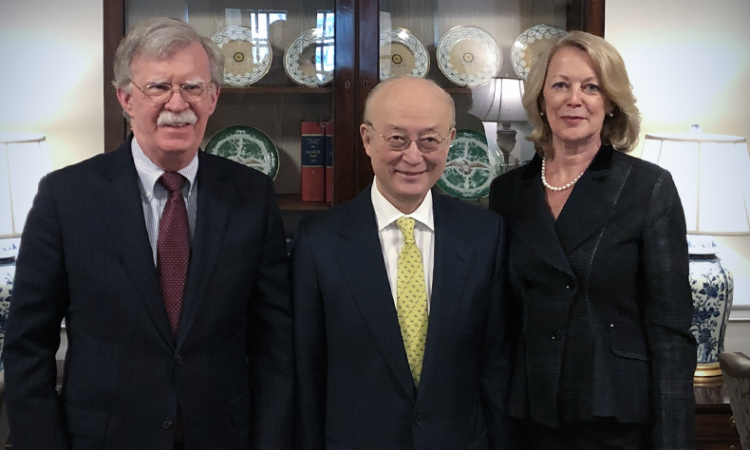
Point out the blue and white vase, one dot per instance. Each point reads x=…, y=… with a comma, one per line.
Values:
x=8, y=252
x=712, y=288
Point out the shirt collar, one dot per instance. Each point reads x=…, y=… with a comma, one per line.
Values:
x=149, y=172
x=386, y=213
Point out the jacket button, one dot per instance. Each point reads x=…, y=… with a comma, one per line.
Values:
x=168, y=423
x=178, y=359
x=418, y=419
x=571, y=285
x=557, y=335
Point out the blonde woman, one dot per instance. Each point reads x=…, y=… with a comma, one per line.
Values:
x=598, y=259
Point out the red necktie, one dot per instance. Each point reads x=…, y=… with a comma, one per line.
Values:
x=173, y=248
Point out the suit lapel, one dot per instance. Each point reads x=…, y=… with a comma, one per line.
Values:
x=532, y=221
x=451, y=265
x=210, y=223
x=360, y=258
x=119, y=201
x=592, y=202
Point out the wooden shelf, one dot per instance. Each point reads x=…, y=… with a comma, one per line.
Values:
x=275, y=90
x=293, y=202
x=458, y=90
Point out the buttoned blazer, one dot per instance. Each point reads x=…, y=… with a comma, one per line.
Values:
x=355, y=389
x=606, y=298
x=86, y=257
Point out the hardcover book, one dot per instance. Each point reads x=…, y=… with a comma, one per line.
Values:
x=312, y=173
x=329, y=161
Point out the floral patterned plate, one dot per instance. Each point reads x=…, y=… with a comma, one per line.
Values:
x=530, y=44
x=471, y=166
x=309, y=59
x=401, y=53
x=246, y=145
x=248, y=59
x=468, y=56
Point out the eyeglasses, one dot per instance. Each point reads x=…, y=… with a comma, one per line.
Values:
x=399, y=141
x=161, y=93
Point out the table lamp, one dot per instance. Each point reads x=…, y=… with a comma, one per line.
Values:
x=500, y=102
x=712, y=175
x=24, y=160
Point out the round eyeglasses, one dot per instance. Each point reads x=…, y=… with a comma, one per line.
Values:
x=161, y=93
x=399, y=141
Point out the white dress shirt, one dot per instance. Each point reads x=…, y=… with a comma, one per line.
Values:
x=154, y=196
x=391, y=238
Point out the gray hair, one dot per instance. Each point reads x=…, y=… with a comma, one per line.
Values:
x=161, y=38
x=378, y=87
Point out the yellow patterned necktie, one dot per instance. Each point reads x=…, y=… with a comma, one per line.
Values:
x=411, y=301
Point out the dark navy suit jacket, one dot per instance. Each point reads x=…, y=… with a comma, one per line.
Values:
x=606, y=297
x=86, y=257
x=355, y=387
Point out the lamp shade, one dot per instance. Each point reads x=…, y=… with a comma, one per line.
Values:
x=24, y=160
x=499, y=101
x=712, y=175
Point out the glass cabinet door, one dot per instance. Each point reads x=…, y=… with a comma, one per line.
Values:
x=276, y=102
x=336, y=60
x=479, y=51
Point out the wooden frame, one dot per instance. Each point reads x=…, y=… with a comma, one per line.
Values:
x=356, y=75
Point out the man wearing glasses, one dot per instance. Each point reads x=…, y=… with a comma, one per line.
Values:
x=400, y=327
x=169, y=267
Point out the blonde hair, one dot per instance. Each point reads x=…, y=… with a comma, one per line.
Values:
x=621, y=130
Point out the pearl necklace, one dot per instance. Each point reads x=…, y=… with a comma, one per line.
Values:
x=558, y=189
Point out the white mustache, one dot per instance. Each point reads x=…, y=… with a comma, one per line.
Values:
x=168, y=118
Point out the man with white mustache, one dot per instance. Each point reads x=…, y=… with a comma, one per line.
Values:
x=168, y=118
x=169, y=267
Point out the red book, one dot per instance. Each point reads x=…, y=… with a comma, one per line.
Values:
x=312, y=173
x=329, y=161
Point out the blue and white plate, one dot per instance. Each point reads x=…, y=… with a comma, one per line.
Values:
x=468, y=56
x=530, y=44
x=309, y=59
x=402, y=54
x=248, y=59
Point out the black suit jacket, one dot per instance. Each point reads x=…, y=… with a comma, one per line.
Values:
x=355, y=387
x=606, y=297
x=86, y=257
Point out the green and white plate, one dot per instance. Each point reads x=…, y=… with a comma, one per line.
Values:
x=246, y=145
x=471, y=166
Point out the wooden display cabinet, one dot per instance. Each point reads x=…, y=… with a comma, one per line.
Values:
x=276, y=104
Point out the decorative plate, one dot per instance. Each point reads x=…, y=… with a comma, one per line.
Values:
x=248, y=59
x=530, y=44
x=468, y=56
x=471, y=166
x=246, y=145
x=402, y=54
x=309, y=59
